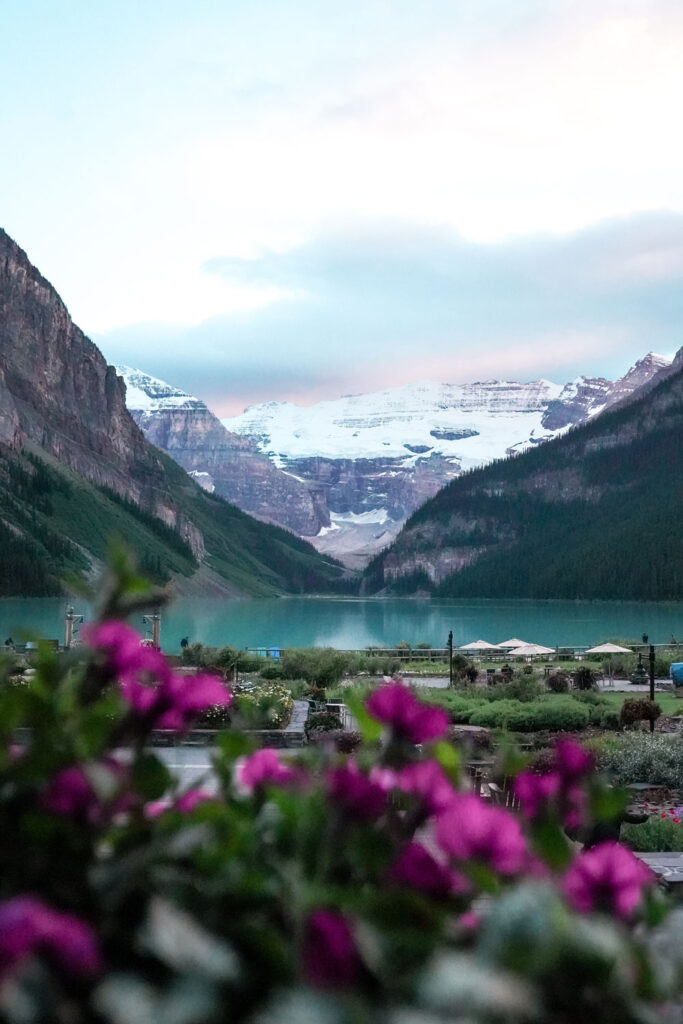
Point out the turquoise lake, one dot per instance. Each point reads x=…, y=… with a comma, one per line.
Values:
x=358, y=623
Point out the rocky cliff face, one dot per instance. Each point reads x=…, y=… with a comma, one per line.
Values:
x=587, y=396
x=222, y=461
x=58, y=390
x=62, y=406
x=58, y=393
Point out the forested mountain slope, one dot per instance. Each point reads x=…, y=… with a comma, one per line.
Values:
x=75, y=468
x=597, y=513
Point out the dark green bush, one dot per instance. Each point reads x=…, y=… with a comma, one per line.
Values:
x=248, y=662
x=321, y=665
x=524, y=688
x=639, y=710
x=584, y=678
x=556, y=715
x=323, y=721
x=657, y=835
x=558, y=682
x=271, y=670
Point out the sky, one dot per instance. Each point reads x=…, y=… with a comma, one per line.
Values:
x=266, y=200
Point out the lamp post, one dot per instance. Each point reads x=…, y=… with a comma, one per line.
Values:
x=154, y=621
x=450, y=657
x=71, y=624
x=652, y=681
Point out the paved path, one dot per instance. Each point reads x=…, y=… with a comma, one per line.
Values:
x=669, y=868
x=190, y=765
x=624, y=686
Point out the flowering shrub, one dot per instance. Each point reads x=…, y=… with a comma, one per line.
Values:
x=267, y=706
x=331, y=888
x=644, y=757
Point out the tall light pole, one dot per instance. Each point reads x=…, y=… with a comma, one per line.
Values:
x=71, y=624
x=450, y=657
x=154, y=621
x=652, y=681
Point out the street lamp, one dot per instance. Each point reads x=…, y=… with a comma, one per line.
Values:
x=449, y=645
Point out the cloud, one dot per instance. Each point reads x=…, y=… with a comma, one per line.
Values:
x=371, y=304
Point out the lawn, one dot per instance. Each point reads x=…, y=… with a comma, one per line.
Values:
x=669, y=704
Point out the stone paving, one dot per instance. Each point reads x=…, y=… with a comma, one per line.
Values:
x=669, y=868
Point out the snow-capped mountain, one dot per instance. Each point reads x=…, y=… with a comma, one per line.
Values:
x=379, y=456
x=221, y=461
x=471, y=424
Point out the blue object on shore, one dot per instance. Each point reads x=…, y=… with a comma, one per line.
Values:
x=677, y=673
x=274, y=653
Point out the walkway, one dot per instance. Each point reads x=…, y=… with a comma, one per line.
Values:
x=669, y=868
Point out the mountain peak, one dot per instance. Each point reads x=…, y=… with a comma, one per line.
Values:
x=145, y=393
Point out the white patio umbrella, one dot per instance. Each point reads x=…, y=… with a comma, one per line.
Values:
x=514, y=643
x=530, y=651
x=609, y=649
x=479, y=645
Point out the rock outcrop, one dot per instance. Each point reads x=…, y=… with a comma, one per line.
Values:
x=62, y=407
x=224, y=462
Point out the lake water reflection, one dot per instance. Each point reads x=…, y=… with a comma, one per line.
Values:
x=351, y=623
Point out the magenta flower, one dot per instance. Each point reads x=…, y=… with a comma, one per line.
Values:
x=469, y=922
x=329, y=955
x=71, y=794
x=472, y=830
x=355, y=793
x=147, y=683
x=185, y=803
x=535, y=792
x=191, y=799
x=417, y=868
x=608, y=878
x=395, y=706
x=186, y=697
x=426, y=780
x=27, y=926
x=262, y=768
x=121, y=644
x=572, y=761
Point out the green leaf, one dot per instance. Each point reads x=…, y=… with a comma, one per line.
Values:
x=608, y=804
x=551, y=844
x=151, y=778
x=370, y=728
x=449, y=759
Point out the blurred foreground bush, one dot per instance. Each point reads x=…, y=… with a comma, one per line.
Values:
x=334, y=888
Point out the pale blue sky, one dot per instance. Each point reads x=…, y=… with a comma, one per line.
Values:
x=268, y=200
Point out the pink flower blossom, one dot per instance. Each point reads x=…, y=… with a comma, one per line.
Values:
x=147, y=683
x=262, y=768
x=121, y=644
x=355, y=793
x=71, y=794
x=469, y=922
x=395, y=706
x=473, y=830
x=572, y=761
x=426, y=780
x=185, y=803
x=27, y=926
x=191, y=799
x=188, y=697
x=607, y=878
x=535, y=792
x=329, y=955
x=417, y=868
